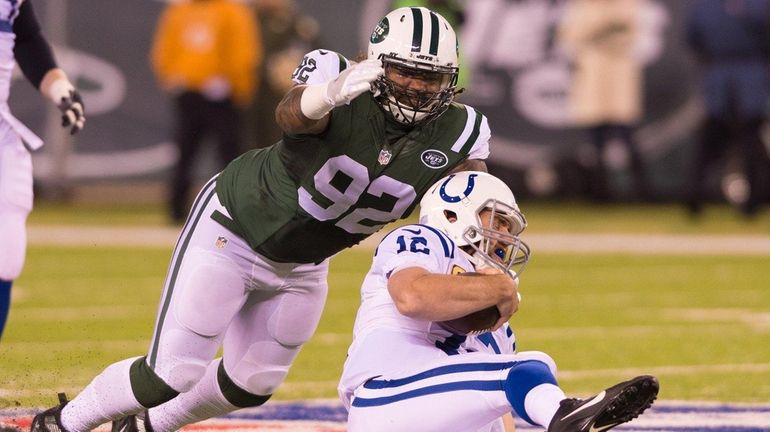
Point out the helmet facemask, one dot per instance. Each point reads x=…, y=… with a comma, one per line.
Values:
x=411, y=106
x=488, y=246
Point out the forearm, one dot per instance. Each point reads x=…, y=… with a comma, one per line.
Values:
x=291, y=118
x=440, y=297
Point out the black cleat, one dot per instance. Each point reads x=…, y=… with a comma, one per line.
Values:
x=616, y=405
x=50, y=419
x=139, y=422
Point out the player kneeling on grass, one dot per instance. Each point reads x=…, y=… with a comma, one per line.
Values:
x=433, y=351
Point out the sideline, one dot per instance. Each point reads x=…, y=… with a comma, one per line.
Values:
x=165, y=236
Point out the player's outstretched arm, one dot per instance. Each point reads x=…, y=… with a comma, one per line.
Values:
x=291, y=119
x=305, y=108
x=421, y=294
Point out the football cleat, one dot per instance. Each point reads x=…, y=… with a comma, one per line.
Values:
x=616, y=405
x=50, y=419
x=139, y=422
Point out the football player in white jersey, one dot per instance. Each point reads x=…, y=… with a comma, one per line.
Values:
x=22, y=43
x=407, y=370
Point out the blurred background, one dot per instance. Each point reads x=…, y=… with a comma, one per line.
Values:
x=517, y=69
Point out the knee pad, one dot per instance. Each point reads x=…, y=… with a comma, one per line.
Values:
x=262, y=368
x=183, y=357
x=210, y=291
x=523, y=377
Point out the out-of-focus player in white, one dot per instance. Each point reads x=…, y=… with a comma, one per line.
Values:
x=407, y=371
x=22, y=43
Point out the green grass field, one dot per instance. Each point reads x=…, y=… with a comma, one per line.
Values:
x=701, y=323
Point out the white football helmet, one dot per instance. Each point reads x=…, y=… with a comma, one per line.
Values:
x=419, y=43
x=454, y=205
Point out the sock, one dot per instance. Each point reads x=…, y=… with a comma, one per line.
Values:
x=108, y=397
x=5, y=302
x=214, y=395
x=542, y=402
x=204, y=401
x=522, y=378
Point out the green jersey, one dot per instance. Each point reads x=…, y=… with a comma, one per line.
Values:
x=309, y=196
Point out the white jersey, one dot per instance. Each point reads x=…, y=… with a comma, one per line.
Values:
x=381, y=333
x=405, y=374
x=9, y=10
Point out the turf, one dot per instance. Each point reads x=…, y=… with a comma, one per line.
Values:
x=701, y=323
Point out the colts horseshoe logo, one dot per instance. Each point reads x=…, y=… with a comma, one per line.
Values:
x=453, y=199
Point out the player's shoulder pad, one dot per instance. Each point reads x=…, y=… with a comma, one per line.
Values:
x=319, y=66
x=473, y=140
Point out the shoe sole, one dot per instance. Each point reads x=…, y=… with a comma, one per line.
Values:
x=630, y=403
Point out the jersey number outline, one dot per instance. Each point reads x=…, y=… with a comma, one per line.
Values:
x=301, y=72
x=342, y=201
x=416, y=245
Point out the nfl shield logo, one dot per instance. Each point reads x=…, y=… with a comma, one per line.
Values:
x=384, y=157
x=220, y=243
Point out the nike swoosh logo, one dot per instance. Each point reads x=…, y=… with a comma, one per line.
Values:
x=415, y=232
x=322, y=52
x=598, y=398
x=603, y=428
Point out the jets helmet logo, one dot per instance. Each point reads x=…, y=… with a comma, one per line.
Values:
x=381, y=31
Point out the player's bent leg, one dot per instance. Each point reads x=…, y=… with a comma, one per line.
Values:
x=113, y=394
x=259, y=347
x=207, y=293
x=214, y=395
x=267, y=335
x=463, y=392
x=532, y=391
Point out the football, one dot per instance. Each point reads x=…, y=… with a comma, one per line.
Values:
x=475, y=322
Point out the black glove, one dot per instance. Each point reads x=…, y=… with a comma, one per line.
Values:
x=73, y=115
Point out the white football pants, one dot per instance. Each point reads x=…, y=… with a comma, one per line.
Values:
x=15, y=202
x=219, y=292
x=458, y=393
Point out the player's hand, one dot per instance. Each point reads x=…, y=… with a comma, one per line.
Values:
x=509, y=301
x=353, y=81
x=73, y=114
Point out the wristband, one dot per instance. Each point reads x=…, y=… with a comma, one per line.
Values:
x=314, y=103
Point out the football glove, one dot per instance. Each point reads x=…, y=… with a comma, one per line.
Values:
x=317, y=100
x=353, y=81
x=70, y=103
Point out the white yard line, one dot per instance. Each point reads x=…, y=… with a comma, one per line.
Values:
x=163, y=236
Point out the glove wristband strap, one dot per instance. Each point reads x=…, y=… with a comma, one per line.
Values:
x=314, y=103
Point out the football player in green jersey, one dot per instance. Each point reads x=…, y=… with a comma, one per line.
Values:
x=362, y=143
